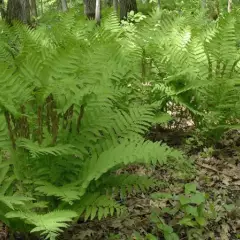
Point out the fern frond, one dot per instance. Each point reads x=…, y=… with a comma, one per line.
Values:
x=126, y=183
x=14, y=200
x=138, y=151
x=66, y=193
x=96, y=205
x=36, y=150
x=49, y=224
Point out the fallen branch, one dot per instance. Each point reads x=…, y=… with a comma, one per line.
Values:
x=214, y=169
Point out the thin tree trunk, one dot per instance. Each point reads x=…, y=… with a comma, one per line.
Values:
x=159, y=4
x=115, y=5
x=203, y=5
x=33, y=8
x=2, y=10
x=108, y=3
x=42, y=7
x=127, y=6
x=89, y=8
x=18, y=10
x=98, y=11
x=229, y=6
x=64, y=5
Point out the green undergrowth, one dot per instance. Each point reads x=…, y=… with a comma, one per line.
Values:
x=77, y=100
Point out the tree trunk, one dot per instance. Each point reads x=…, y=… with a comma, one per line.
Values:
x=89, y=8
x=159, y=4
x=41, y=1
x=18, y=10
x=229, y=6
x=115, y=5
x=213, y=9
x=64, y=5
x=98, y=11
x=108, y=3
x=203, y=5
x=2, y=10
x=127, y=6
x=33, y=8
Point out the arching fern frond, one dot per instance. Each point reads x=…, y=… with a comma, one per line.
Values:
x=96, y=205
x=49, y=224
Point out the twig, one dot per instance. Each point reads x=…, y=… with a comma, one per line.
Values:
x=213, y=169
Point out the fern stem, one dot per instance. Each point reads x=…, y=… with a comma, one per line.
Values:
x=49, y=112
x=143, y=65
x=223, y=69
x=24, y=126
x=10, y=130
x=209, y=67
x=55, y=123
x=80, y=116
x=67, y=118
x=233, y=67
x=39, y=131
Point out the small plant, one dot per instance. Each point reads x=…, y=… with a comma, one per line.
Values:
x=188, y=210
x=133, y=18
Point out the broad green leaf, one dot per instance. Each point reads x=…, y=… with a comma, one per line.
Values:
x=184, y=199
x=171, y=236
x=161, y=195
x=201, y=221
x=190, y=188
x=151, y=237
x=192, y=210
x=229, y=207
x=187, y=221
x=198, y=198
x=165, y=228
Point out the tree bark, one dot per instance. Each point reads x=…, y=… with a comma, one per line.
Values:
x=33, y=8
x=127, y=6
x=64, y=5
x=159, y=4
x=115, y=5
x=41, y=1
x=108, y=3
x=89, y=8
x=229, y=6
x=213, y=9
x=2, y=10
x=18, y=10
x=203, y=5
x=98, y=11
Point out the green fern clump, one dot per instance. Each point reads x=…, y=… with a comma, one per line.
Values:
x=193, y=64
x=70, y=125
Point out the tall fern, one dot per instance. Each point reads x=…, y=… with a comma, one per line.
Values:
x=70, y=125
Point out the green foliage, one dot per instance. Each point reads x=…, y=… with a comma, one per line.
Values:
x=70, y=124
x=188, y=208
x=193, y=66
x=77, y=100
x=49, y=224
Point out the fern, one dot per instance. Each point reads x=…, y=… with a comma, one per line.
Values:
x=71, y=122
x=191, y=63
x=96, y=205
x=67, y=193
x=125, y=183
x=49, y=224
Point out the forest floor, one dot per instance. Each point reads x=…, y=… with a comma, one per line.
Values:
x=216, y=172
